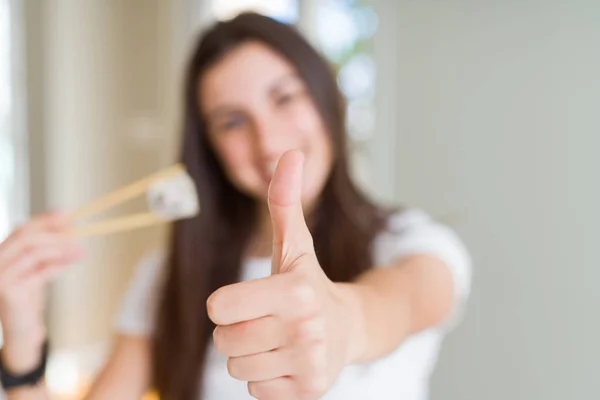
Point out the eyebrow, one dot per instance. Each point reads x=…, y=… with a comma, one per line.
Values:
x=223, y=110
x=281, y=81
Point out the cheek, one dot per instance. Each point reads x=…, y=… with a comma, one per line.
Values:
x=318, y=149
x=308, y=120
x=235, y=153
x=318, y=165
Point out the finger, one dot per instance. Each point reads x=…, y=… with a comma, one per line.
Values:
x=285, y=295
x=37, y=258
x=291, y=237
x=34, y=242
x=260, y=367
x=55, y=220
x=249, y=337
x=245, y=301
x=36, y=280
x=52, y=223
x=45, y=274
x=274, y=389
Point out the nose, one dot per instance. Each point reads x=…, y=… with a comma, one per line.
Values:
x=270, y=141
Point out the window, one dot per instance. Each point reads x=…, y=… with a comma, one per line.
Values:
x=283, y=10
x=13, y=171
x=7, y=156
x=343, y=30
x=13, y=162
x=6, y=143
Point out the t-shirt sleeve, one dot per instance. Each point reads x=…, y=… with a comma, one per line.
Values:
x=414, y=232
x=138, y=308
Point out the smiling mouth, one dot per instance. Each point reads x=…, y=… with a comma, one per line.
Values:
x=268, y=172
x=267, y=177
x=270, y=169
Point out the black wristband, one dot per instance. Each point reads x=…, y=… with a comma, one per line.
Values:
x=10, y=381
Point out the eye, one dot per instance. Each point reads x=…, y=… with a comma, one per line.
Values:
x=285, y=99
x=230, y=123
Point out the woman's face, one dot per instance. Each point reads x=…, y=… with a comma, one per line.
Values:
x=256, y=108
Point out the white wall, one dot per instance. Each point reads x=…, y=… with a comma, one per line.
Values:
x=488, y=117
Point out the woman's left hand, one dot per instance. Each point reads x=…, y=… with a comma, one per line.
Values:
x=291, y=334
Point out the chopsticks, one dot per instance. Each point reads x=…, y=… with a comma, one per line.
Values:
x=119, y=224
x=117, y=197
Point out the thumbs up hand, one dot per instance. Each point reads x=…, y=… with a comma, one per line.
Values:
x=289, y=335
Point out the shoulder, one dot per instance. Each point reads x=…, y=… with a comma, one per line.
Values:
x=138, y=308
x=148, y=273
x=413, y=231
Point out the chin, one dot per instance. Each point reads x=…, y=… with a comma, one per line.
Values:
x=260, y=194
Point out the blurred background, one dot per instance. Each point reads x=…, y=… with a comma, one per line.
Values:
x=483, y=113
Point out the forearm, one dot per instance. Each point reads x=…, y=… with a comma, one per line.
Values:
x=395, y=302
x=37, y=392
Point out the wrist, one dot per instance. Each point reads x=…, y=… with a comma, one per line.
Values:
x=353, y=295
x=21, y=354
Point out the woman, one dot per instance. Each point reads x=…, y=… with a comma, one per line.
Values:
x=252, y=299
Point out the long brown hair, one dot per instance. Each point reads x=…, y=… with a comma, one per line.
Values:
x=206, y=252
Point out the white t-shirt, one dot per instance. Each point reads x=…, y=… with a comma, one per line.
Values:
x=403, y=374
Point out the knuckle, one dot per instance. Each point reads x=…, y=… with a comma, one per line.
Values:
x=320, y=385
x=234, y=368
x=253, y=390
x=241, y=329
x=21, y=232
x=304, y=297
x=316, y=388
x=29, y=241
x=260, y=391
x=311, y=331
x=266, y=390
x=212, y=308
x=27, y=260
x=317, y=361
x=256, y=390
x=218, y=340
x=28, y=229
